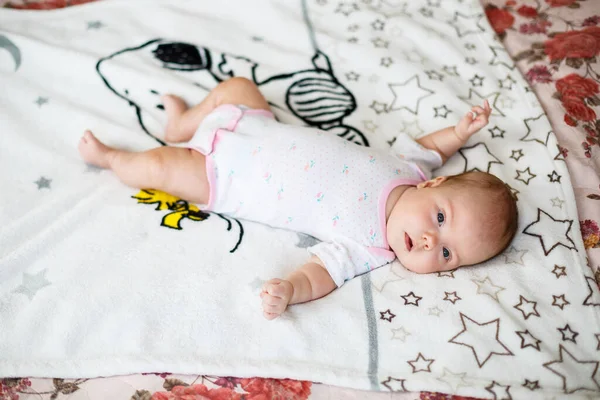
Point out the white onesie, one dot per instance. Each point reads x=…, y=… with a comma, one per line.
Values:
x=309, y=181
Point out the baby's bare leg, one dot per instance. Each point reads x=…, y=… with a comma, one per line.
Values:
x=183, y=121
x=175, y=170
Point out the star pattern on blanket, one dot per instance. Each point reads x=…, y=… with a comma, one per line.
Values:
x=466, y=24
x=400, y=334
x=527, y=307
x=497, y=132
x=559, y=271
x=394, y=385
x=514, y=256
x=559, y=301
x=554, y=177
x=486, y=286
x=441, y=111
x=551, y=232
x=482, y=338
x=478, y=158
x=556, y=202
x=411, y=299
x=435, y=311
x=507, y=83
x=501, y=57
x=589, y=300
x=421, y=364
x=387, y=315
x=584, y=376
x=528, y=340
x=525, y=175
x=454, y=380
x=413, y=129
x=32, y=283
x=531, y=385
x=499, y=391
x=43, y=183
x=516, y=154
x=40, y=101
x=403, y=101
x=451, y=297
x=568, y=334
x=538, y=130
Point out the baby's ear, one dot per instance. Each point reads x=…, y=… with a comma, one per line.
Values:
x=432, y=182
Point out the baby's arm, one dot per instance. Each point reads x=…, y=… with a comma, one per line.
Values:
x=447, y=141
x=309, y=282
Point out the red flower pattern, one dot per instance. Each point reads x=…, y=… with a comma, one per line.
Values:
x=527, y=12
x=574, y=44
x=500, y=19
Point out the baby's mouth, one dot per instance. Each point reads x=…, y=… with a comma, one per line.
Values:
x=408, y=242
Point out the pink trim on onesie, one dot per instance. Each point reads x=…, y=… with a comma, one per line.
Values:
x=214, y=140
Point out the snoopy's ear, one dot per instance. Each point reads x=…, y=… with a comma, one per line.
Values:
x=432, y=182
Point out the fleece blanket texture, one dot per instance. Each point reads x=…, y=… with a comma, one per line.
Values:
x=99, y=279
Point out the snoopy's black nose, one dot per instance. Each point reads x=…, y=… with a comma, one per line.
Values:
x=183, y=56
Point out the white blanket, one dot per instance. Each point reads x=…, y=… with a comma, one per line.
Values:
x=100, y=279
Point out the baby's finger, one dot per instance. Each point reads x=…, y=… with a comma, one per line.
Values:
x=270, y=316
x=276, y=291
x=270, y=300
x=274, y=309
x=478, y=109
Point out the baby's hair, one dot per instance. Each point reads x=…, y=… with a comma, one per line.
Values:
x=504, y=216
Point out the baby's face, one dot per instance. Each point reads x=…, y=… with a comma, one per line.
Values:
x=434, y=229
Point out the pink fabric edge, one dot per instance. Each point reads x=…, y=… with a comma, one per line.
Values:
x=383, y=196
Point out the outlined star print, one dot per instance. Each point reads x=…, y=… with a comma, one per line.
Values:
x=529, y=175
x=471, y=60
x=421, y=364
x=528, y=340
x=581, y=374
x=559, y=271
x=441, y=111
x=370, y=125
x=588, y=301
x=556, y=202
x=433, y=3
x=400, y=334
x=486, y=286
x=387, y=315
x=516, y=154
x=378, y=25
x=506, y=83
x=531, y=385
x=450, y=70
x=481, y=338
x=499, y=391
x=411, y=299
x=447, y=274
x=43, y=183
x=467, y=25
x=559, y=301
x=538, y=130
x=394, y=385
x=380, y=43
x=477, y=80
x=426, y=12
x=352, y=76
x=451, y=297
x=470, y=46
x=435, y=311
x=527, y=308
x=414, y=56
x=386, y=62
x=346, y=8
x=554, y=177
x=544, y=227
x=497, y=132
x=453, y=380
x=40, y=101
x=478, y=158
x=434, y=75
x=353, y=28
x=514, y=192
x=353, y=39
x=514, y=256
x=404, y=101
x=94, y=25
x=32, y=283
x=506, y=102
x=501, y=57
x=478, y=99
x=378, y=107
x=413, y=129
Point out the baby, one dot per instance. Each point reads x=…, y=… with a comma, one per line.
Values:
x=368, y=207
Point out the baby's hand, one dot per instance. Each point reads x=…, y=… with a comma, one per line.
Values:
x=469, y=125
x=276, y=295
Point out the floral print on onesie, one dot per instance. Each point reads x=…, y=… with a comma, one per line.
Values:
x=309, y=181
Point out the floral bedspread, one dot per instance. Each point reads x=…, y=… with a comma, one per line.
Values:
x=556, y=44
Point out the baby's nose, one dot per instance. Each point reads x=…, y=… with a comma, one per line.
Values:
x=429, y=241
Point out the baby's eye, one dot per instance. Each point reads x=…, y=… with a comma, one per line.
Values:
x=440, y=218
x=446, y=253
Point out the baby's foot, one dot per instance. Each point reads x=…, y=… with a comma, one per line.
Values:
x=93, y=151
x=174, y=107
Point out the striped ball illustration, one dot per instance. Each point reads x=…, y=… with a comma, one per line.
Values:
x=319, y=100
